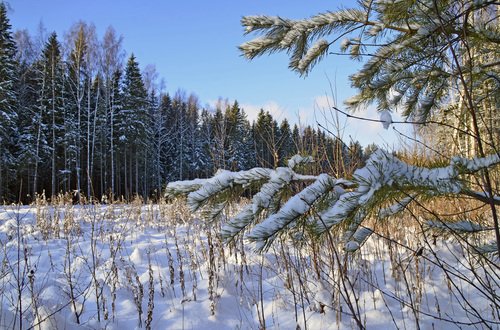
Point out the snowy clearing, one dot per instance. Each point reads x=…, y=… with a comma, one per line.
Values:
x=155, y=266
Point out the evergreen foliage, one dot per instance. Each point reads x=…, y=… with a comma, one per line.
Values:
x=237, y=138
x=8, y=101
x=132, y=117
x=408, y=44
x=51, y=110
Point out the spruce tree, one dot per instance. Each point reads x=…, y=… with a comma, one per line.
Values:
x=218, y=139
x=249, y=156
x=286, y=145
x=157, y=135
x=115, y=107
x=135, y=100
x=180, y=133
x=355, y=155
x=171, y=107
x=160, y=141
x=133, y=122
x=26, y=157
x=193, y=146
x=237, y=136
x=297, y=139
x=51, y=103
x=206, y=143
x=266, y=137
x=8, y=103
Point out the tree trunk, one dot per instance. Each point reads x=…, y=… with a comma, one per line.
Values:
x=89, y=193
x=113, y=191
x=137, y=173
x=2, y=197
x=53, y=90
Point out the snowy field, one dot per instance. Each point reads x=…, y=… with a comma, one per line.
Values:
x=155, y=266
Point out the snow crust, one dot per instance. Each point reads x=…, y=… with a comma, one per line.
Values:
x=173, y=256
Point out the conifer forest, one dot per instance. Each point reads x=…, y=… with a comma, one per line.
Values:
x=78, y=116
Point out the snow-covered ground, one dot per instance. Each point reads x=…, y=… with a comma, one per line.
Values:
x=138, y=266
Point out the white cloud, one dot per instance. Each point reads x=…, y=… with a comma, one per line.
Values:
x=323, y=102
x=277, y=111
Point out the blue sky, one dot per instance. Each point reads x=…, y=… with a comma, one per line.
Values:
x=193, y=44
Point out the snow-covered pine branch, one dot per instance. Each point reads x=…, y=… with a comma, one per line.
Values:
x=201, y=192
x=385, y=173
x=266, y=199
x=223, y=180
x=296, y=207
x=183, y=187
x=405, y=43
x=344, y=202
x=464, y=226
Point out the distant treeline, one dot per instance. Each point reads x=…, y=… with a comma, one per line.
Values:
x=76, y=118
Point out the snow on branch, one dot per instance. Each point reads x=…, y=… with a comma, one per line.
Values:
x=385, y=171
x=464, y=226
x=300, y=38
x=222, y=181
x=475, y=164
x=264, y=199
x=297, y=206
x=201, y=192
x=183, y=187
x=343, y=202
x=299, y=160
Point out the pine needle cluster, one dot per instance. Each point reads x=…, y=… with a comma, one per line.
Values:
x=405, y=46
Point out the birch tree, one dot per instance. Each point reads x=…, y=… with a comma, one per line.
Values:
x=111, y=62
x=76, y=85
